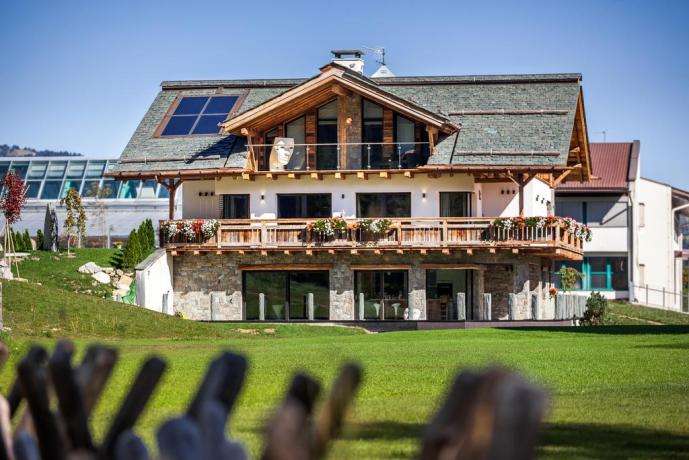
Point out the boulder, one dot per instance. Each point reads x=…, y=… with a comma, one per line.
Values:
x=125, y=281
x=119, y=272
x=90, y=268
x=101, y=277
x=109, y=270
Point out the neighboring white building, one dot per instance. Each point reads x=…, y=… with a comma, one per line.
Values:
x=636, y=238
x=122, y=207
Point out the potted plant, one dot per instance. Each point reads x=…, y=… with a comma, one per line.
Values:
x=329, y=229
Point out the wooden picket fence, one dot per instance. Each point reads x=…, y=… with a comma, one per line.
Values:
x=488, y=414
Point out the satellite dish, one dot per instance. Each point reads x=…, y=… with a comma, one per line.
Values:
x=281, y=153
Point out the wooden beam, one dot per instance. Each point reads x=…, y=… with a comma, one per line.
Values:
x=446, y=251
x=381, y=267
x=470, y=252
x=362, y=175
x=309, y=252
x=267, y=267
x=354, y=252
x=293, y=176
x=451, y=266
x=400, y=251
x=384, y=175
x=408, y=174
x=316, y=176
x=561, y=177
x=247, y=176
x=339, y=175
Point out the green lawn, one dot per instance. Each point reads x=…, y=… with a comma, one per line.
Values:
x=616, y=391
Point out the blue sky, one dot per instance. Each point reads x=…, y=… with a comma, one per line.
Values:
x=80, y=75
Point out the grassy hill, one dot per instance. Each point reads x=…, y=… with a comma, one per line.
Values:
x=616, y=392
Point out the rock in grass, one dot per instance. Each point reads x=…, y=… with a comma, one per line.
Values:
x=101, y=277
x=90, y=268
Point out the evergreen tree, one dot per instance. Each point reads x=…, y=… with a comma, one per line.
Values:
x=151, y=235
x=39, y=239
x=27, y=241
x=132, y=251
x=18, y=241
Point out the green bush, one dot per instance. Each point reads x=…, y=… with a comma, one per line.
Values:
x=596, y=306
x=132, y=251
x=39, y=239
x=27, y=241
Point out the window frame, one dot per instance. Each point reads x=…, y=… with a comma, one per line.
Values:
x=382, y=195
x=178, y=99
x=304, y=205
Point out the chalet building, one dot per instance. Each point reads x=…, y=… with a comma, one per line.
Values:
x=343, y=197
x=639, y=223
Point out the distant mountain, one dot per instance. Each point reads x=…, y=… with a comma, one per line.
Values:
x=16, y=151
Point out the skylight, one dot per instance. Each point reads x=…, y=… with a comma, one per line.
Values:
x=199, y=115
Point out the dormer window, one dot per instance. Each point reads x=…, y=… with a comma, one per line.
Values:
x=199, y=115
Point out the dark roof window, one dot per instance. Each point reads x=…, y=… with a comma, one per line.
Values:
x=199, y=115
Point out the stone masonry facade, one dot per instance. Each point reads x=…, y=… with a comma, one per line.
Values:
x=208, y=286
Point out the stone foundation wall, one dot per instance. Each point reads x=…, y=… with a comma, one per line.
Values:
x=209, y=286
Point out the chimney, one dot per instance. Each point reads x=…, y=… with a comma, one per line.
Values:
x=351, y=59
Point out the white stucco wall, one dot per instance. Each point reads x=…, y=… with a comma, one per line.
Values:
x=608, y=239
x=153, y=281
x=502, y=199
x=199, y=200
x=488, y=203
x=119, y=218
x=344, y=192
x=656, y=265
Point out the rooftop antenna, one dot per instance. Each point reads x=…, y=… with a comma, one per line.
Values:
x=383, y=70
x=378, y=51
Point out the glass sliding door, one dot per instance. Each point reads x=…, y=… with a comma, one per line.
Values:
x=296, y=129
x=286, y=294
x=272, y=285
x=382, y=294
x=370, y=205
x=326, y=133
x=455, y=204
x=372, y=136
x=410, y=152
x=442, y=287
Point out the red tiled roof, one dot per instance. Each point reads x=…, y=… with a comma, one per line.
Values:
x=613, y=164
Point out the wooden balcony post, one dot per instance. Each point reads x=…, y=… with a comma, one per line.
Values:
x=171, y=185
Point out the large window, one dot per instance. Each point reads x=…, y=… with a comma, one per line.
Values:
x=286, y=294
x=296, y=129
x=607, y=273
x=326, y=133
x=372, y=135
x=383, y=205
x=442, y=287
x=382, y=294
x=455, y=204
x=611, y=213
x=305, y=205
x=235, y=206
x=199, y=115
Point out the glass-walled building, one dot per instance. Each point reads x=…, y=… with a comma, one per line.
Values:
x=113, y=207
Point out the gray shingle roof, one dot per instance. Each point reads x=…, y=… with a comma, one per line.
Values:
x=505, y=120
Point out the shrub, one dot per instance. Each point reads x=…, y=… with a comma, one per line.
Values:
x=132, y=251
x=596, y=305
x=569, y=277
x=39, y=239
x=27, y=241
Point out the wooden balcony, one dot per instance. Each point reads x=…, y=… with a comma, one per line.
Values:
x=413, y=234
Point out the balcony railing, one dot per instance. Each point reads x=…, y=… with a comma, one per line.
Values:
x=349, y=156
x=410, y=233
